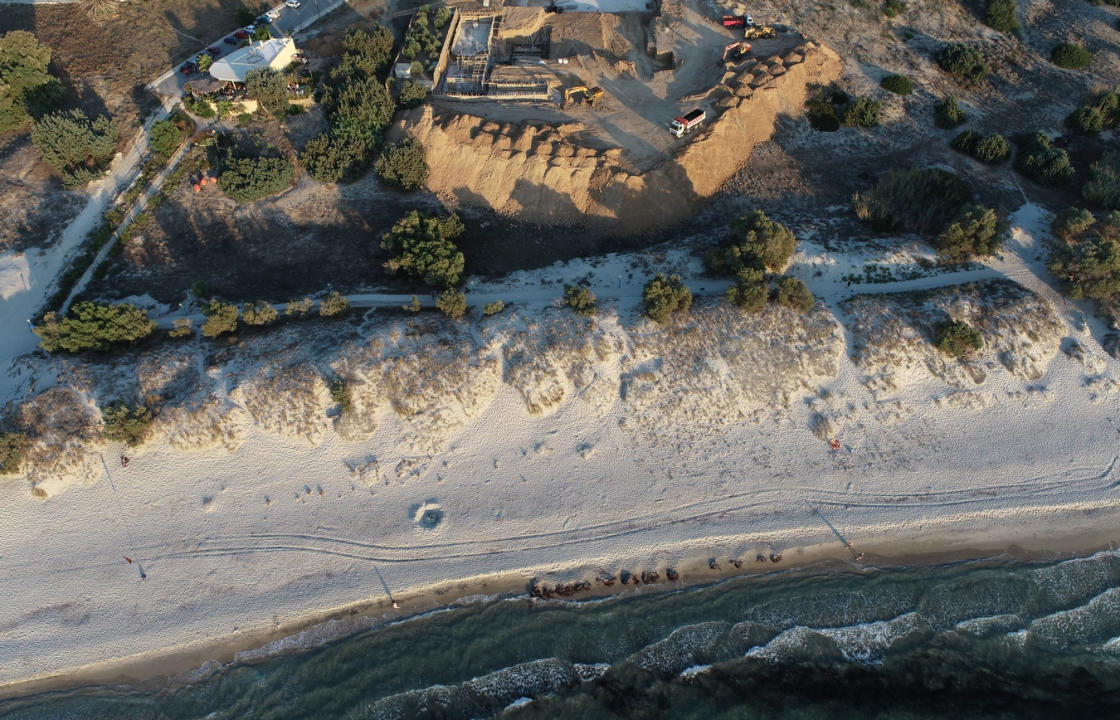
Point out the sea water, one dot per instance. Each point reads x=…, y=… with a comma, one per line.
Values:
x=974, y=640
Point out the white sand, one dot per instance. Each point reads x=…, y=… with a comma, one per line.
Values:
x=235, y=544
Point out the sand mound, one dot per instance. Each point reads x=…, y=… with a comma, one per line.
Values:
x=719, y=365
x=545, y=174
x=892, y=335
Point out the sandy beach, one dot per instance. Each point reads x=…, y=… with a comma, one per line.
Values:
x=531, y=458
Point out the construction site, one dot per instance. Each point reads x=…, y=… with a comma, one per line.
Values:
x=598, y=100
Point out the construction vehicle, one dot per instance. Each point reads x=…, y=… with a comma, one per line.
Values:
x=687, y=123
x=759, y=31
x=734, y=51
x=735, y=21
x=590, y=95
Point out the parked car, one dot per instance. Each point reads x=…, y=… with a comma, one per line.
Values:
x=230, y=40
x=214, y=50
x=292, y=3
x=264, y=20
x=241, y=35
x=187, y=68
x=273, y=13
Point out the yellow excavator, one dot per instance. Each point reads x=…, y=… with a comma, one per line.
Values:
x=759, y=31
x=590, y=95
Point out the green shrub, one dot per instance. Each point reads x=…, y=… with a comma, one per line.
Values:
x=221, y=318
x=1071, y=222
x=332, y=159
x=963, y=61
x=1086, y=119
x=261, y=33
x=11, y=452
x=1103, y=186
x=295, y=109
x=181, y=328
x=421, y=246
x=1070, y=57
x=750, y=291
x=493, y=308
x=243, y=16
x=165, y=138
x=199, y=106
x=247, y=179
x=27, y=89
x=200, y=289
x=452, y=303
x=93, y=327
x=413, y=93
x=259, y=313
x=897, y=84
x=299, y=308
x=358, y=107
x=580, y=299
x=340, y=394
x=754, y=241
x=1089, y=265
x=1039, y=160
x=792, y=293
x=956, y=338
x=947, y=114
x=978, y=232
x=989, y=149
x=78, y=148
x=333, y=305
x=662, y=296
x=893, y=8
x=1000, y=15
x=918, y=200
x=204, y=62
x=823, y=109
x=121, y=423
x=863, y=112
x=413, y=305
x=404, y=164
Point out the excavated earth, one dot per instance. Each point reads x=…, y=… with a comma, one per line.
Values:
x=544, y=174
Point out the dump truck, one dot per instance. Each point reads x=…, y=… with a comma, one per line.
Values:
x=687, y=123
x=736, y=21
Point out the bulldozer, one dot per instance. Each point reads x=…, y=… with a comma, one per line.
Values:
x=759, y=31
x=734, y=51
x=590, y=95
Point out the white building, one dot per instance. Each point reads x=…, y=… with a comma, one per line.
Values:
x=276, y=54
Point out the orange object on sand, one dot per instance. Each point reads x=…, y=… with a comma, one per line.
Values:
x=197, y=187
x=835, y=444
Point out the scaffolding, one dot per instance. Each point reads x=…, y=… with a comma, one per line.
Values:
x=468, y=68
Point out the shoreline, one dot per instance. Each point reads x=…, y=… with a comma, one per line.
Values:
x=168, y=669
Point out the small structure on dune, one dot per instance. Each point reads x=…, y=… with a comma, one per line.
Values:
x=277, y=54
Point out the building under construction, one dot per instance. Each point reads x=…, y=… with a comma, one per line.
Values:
x=478, y=62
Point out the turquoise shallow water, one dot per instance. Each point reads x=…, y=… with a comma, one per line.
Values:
x=967, y=641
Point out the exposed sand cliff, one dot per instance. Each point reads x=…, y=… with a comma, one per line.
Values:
x=545, y=174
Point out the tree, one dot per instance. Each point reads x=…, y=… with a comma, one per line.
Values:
x=864, y=112
x=963, y=61
x=580, y=299
x=662, y=296
x=246, y=179
x=204, y=62
x=1000, y=16
x=243, y=16
x=421, y=246
x=452, y=303
x=371, y=50
x=755, y=240
x=1090, y=266
x=333, y=305
x=259, y=313
x=991, y=149
x=93, y=327
x=404, y=164
x=165, y=138
x=11, y=452
x=121, y=423
x=299, y=308
x=27, y=88
x=75, y=146
x=331, y=159
x=221, y=318
x=792, y=293
x=750, y=291
x=1039, y=160
x=269, y=89
x=948, y=114
x=1071, y=222
x=359, y=109
x=916, y=199
x=1070, y=56
x=978, y=232
x=956, y=338
x=1103, y=187
x=413, y=93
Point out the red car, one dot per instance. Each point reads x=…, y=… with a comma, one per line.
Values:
x=214, y=50
x=188, y=68
x=241, y=35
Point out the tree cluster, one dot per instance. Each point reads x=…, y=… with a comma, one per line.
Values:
x=580, y=299
x=977, y=232
x=27, y=88
x=755, y=241
x=1039, y=160
x=78, y=148
x=663, y=296
x=988, y=149
x=423, y=248
x=404, y=164
x=963, y=61
x=1100, y=113
x=1000, y=15
x=88, y=326
x=1088, y=258
x=916, y=199
x=269, y=88
x=246, y=179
